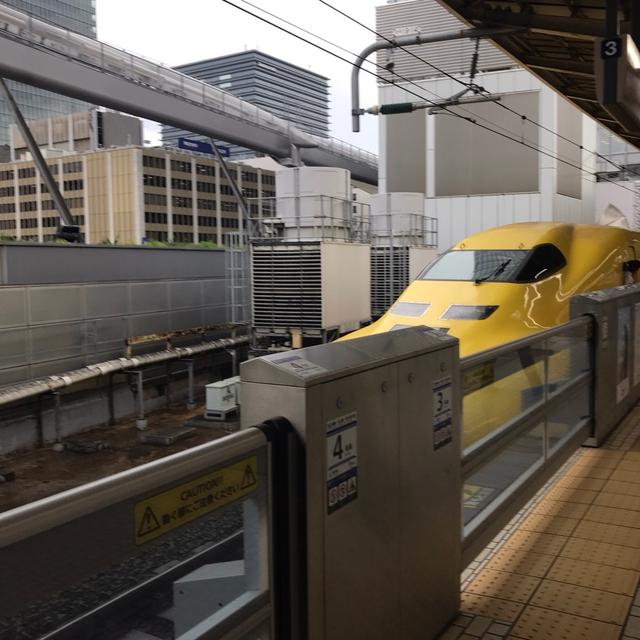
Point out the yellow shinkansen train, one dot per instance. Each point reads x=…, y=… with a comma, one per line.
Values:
x=508, y=282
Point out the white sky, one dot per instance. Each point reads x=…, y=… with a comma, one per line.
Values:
x=178, y=32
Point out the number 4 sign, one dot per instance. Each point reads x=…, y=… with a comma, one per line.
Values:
x=342, y=461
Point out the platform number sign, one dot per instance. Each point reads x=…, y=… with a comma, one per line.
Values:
x=442, y=429
x=610, y=48
x=342, y=461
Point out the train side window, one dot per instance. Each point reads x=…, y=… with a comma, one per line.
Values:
x=544, y=261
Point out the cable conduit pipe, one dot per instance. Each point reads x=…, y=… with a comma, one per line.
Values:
x=54, y=383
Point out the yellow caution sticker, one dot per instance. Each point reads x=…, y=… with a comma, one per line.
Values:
x=160, y=514
x=476, y=497
x=478, y=377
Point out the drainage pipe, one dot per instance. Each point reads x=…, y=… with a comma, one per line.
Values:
x=54, y=383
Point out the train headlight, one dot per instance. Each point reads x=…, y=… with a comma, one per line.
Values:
x=411, y=309
x=468, y=312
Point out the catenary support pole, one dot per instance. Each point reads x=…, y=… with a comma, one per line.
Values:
x=34, y=149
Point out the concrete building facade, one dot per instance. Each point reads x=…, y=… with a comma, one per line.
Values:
x=132, y=195
x=290, y=92
x=474, y=178
x=80, y=131
x=36, y=103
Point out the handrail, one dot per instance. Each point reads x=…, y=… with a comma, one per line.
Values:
x=47, y=513
x=493, y=352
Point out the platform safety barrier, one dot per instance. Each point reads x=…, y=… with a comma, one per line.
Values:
x=189, y=540
x=526, y=408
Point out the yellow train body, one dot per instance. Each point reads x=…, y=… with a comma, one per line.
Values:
x=594, y=259
x=484, y=303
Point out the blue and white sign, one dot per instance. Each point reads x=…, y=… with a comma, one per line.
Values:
x=202, y=147
x=342, y=461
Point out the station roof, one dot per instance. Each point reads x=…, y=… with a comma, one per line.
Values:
x=557, y=44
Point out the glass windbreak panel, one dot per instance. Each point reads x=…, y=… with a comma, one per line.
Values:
x=158, y=563
x=569, y=356
x=564, y=421
x=499, y=391
x=498, y=477
x=490, y=266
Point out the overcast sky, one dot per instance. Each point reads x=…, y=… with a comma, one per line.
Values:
x=179, y=32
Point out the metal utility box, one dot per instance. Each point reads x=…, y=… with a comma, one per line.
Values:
x=380, y=421
x=222, y=398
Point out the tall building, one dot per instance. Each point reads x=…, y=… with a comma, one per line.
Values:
x=35, y=103
x=290, y=92
x=132, y=195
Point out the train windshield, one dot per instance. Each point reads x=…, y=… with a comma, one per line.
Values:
x=497, y=265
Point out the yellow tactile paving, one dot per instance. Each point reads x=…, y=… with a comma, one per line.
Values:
x=590, y=470
x=501, y=610
x=605, y=553
x=527, y=563
x=632, y=455
x=625, y=488
x=595, y=576
x=537, y=542
x=582, y=601
x=586, y=484
x=543, y=624
x=613, y=515
x=625, y=475
x=567, y=494
x=626, y=536
x=600, y=454
x=560, y=508
x=600, y=463
x=618, y=500
x=549, y=524
x=628, y=465
x=507, y=586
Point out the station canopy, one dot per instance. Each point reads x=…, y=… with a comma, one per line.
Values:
x=567, y=44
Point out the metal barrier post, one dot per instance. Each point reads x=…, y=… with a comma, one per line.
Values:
x=616, y=314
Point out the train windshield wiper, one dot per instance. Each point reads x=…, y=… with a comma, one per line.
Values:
x=496, y=272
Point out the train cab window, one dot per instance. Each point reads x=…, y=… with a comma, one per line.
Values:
x=543, y=261
x=497, y=265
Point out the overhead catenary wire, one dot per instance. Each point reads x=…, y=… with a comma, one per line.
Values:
x=472, y=86
x=469, y=119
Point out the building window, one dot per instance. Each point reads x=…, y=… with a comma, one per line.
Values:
x=29, y=172
x=30, y=205
x=154, y=162
x=26, y=189
x=6, y=175
x=72, y=167
x=154, y=181
x=179, y=201
x=207, y=205
x=73, y=185
x=155, y=198
x=205, y=170
x=249, y=176
x=181, y=184
x=6, y=192
x=206, y=187
x=181, y=165
x=207, y=221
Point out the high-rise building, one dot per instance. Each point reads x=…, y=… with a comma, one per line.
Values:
x=132, y=195
x=36, y=103
x=290, y=92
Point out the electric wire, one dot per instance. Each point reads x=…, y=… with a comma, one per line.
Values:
x=472, y=120
x=500, y=104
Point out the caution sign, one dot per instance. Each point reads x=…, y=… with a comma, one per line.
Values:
x=160, y=514
x=476, y=497
x=478, y=377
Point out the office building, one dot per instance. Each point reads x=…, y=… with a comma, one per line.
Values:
x=76, y=132
x=473, y=178
x=132, y=195
x=36, y=103
x=290, y=92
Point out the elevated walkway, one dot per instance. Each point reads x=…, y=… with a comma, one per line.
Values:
x=567, y=566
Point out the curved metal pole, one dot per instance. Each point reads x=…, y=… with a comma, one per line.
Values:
x=405, y=41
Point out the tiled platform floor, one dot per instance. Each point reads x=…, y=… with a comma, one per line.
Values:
x=567, y=567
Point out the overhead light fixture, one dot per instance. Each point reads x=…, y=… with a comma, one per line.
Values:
x=633, y=55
